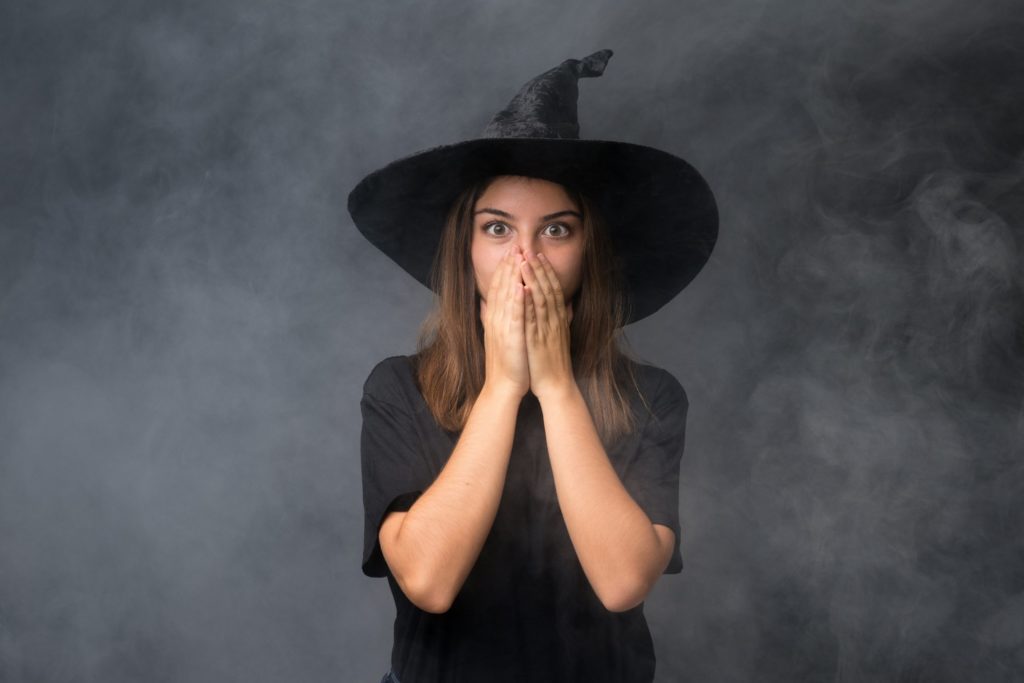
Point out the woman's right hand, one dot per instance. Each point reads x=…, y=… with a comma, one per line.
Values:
x=505, y=327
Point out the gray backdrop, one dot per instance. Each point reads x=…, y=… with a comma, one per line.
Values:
x=187, y=316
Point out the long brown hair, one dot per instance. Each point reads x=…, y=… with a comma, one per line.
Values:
x=450, y=348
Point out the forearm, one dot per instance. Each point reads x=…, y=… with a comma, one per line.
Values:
x=444, y=530
x=614, y=539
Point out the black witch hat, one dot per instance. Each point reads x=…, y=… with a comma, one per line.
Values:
x=660, y=213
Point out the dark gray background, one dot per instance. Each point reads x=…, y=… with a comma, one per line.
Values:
x=187, y=316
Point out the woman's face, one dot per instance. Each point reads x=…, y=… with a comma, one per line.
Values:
x=538, y=216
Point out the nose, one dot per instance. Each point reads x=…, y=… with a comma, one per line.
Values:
x=528, y=244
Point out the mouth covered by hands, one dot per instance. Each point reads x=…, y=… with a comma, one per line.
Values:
x=526, y=335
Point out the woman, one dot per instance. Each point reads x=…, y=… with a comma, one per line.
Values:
x=520, y=472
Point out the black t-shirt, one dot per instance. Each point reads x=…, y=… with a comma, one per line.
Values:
x=526, y=611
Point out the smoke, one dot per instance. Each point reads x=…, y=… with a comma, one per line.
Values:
x=187, y=316
x=866, y=451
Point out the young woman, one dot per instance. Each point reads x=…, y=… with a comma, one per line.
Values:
x=520, y=471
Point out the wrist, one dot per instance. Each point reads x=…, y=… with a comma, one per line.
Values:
x=502, y=392
x=559, y=393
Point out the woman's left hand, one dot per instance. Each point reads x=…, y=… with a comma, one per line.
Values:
x=547, y=328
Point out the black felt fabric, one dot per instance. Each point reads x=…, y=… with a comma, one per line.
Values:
x=526, y=611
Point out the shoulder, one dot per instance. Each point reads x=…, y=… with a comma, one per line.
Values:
x=660, y=389
x=391, y=379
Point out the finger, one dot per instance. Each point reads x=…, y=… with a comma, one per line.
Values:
x=513, y=262
x=536, y=304
x=530, y=312
x=510, y=274
x=543, y=299
x=498, y=281
x=554, y=287
x=529, y=276
x=517, y=309
x=505, y=268
x=528, y=268
x=511, y=286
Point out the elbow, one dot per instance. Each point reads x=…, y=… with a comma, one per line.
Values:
x=421, y=588
x=427, y=596
x=624, y=597
x=433, y=603
x=432, y=606
x=621, y=605
x=627, y=594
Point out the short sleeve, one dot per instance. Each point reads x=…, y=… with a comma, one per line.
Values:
x=653, y=478
x=394, y=470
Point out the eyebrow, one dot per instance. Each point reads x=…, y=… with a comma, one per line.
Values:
x=549, y=217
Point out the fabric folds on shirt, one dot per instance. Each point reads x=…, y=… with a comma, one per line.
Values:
x=526, y=611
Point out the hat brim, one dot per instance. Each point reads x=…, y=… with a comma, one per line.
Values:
x=660, y=212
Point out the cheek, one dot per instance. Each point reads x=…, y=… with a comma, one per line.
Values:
x=486, y=278
x=480, y=271
x=569, y=272
x=484, y=267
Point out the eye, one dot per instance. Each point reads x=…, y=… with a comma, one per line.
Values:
x=563, y=226
x=565, y=230
x=488, y=226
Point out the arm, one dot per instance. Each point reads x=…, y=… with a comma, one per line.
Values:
x=621, y=551
x=432, y=547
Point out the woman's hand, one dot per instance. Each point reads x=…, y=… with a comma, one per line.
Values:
x=547, y=328
x=504, y=332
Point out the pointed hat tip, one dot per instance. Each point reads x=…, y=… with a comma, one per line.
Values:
x=594, y=64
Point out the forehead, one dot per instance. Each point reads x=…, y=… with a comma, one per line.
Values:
x=525, y=190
